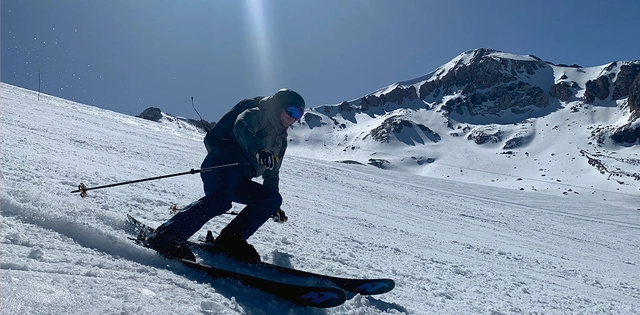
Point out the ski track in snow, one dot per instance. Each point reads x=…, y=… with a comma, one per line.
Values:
x=451, y=247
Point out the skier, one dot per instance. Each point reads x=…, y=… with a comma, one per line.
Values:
x=257, y=141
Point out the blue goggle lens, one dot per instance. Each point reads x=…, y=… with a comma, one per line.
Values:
x=294, y=112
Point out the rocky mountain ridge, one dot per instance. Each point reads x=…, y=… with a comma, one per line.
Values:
x=499, y=101
x=493, y=84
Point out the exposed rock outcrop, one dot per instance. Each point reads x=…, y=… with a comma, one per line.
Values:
x=515, y=97
x=597, y=88
x=344, y=107
x=151, y=113
x=626, y=135
x=634, y=98
x=625, y=80
x=561, y=91
x=391, y=125
x=480, y=136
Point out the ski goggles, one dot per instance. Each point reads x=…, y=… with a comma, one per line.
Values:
x=294, y=112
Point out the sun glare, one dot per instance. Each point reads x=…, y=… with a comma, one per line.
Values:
x=259, y=38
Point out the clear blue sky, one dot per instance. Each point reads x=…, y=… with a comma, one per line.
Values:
x=128, y=55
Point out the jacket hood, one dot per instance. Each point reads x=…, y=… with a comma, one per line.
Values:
x=272, y=111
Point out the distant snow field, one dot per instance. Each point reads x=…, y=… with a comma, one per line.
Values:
x=461, y=229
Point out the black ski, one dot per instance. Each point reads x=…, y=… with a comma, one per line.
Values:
x=315, y=296
x=355, y=286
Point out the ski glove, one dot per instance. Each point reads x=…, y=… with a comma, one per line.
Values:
x=266, y=158
x=279, y=216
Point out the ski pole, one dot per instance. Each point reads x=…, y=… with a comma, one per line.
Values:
x=82, y=189
x=174, y=209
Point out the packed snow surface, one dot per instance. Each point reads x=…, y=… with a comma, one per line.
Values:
x=453, y=247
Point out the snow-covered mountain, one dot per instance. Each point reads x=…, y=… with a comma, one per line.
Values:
x=504, y=112
x=486, y=117
x=456, y=245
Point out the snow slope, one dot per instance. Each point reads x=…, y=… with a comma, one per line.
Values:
x=453, y=246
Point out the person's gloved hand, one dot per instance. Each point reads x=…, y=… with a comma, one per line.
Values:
x=266, y=158
x=279, y=216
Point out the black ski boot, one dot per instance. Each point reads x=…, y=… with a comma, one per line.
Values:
x=236, y=247
x=169, y=246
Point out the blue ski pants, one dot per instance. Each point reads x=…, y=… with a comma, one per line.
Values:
x=222, y=186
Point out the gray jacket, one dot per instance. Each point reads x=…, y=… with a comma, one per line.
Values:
x=261, y=128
